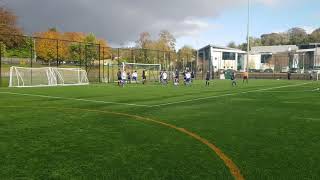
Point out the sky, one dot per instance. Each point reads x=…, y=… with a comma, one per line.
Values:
x=193, y=22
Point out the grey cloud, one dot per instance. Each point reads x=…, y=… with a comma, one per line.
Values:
x=119, y=21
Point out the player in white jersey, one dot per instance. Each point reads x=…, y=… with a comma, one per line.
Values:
x=188, y=78
x=135, y=77
x=164, y=78
x=123, y=77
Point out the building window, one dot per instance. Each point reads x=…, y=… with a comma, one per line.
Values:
x=265, y=58
x=228, y=56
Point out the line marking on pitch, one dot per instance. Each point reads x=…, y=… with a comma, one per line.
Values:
x=151, y=106
x=233, y=168
x=74, y=99
x=230, y=94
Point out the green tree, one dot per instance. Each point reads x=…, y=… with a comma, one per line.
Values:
x=253, y=42
x=297, y=36
x=315, y=36
x=3, y=49
x=232, y=44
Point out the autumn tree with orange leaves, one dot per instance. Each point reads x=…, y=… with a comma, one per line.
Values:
x=68, y=46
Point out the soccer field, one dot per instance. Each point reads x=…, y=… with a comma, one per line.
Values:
x=267, y=129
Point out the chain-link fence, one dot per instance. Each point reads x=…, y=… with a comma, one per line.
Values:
x=101, y=63
x=298, y=65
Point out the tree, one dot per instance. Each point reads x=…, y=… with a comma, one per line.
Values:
x=47, y=45
x=186, y=55
x=166, y=42
x=144, y=41
x=297, y=36
x=8, y=25
x=232, y=44
x=315, y=36
x=3, y=49
x=253, y=42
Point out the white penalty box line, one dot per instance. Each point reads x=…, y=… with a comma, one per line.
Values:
x=151, y=106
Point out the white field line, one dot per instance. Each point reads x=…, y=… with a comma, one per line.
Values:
x=74, y=99
x=150, y=106
x=230, y=94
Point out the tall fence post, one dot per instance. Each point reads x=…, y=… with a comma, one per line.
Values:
x=31, y=57
x=0, y=64
x=57, y=58
x=80, y=55
x=118, y=58
x=99, y=63
x=85, y=57
x=103, y=63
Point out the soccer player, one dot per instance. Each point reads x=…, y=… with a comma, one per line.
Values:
x=233, y=79
x=188, y=78
x=245, y=77
x=208, y=79
x=184, y=77
x=129, y=77
x=123, y=78
x=176, y=78
x=119, y=77
x=144, y=77
x=161, y=76
x=289, y=75
x=135, y=76
x=164, y=78
x=192, y=75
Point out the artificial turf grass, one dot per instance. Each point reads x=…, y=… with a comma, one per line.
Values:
x=259, y=131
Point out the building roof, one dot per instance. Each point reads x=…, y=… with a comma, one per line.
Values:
x=273, y=49
x=223, y=48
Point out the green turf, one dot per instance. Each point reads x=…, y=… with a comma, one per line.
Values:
x=271, y=134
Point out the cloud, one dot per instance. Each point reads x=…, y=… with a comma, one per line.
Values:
x=121, y=21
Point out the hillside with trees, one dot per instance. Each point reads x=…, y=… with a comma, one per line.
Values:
x=294, y=36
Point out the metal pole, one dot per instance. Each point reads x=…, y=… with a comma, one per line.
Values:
x=108, y=73
x=248, y=36
x=85, y=57
x=99, y=63
x=131, y=51
x=31, y=56
x=80, y=55
x=57, y=58
x=103, y=63
x=0, y=64
x=118, y=56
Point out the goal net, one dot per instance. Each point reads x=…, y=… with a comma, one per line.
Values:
x=152, y=70
x=47, y=76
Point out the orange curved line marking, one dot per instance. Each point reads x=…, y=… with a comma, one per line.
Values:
x=233, y=168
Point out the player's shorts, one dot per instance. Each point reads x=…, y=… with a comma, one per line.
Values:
x=245, y=77
x=207, y=79
x=134, y=78
x=119, y=78
x=188, y=80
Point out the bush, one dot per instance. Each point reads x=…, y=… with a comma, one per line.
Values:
x=3, y=48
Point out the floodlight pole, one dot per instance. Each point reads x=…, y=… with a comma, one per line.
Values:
x=248, y=36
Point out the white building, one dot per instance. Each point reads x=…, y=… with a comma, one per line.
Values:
x=214, y=58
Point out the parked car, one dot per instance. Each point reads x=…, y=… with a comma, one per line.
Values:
x=254, y=70
x=268, y=71
x=294, y=70
x=285, y=70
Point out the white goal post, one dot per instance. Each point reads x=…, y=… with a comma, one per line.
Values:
x=152, y=70
x=47, y=76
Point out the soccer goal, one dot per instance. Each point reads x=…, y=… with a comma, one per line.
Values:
x=46, y=76
x=152, y=70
